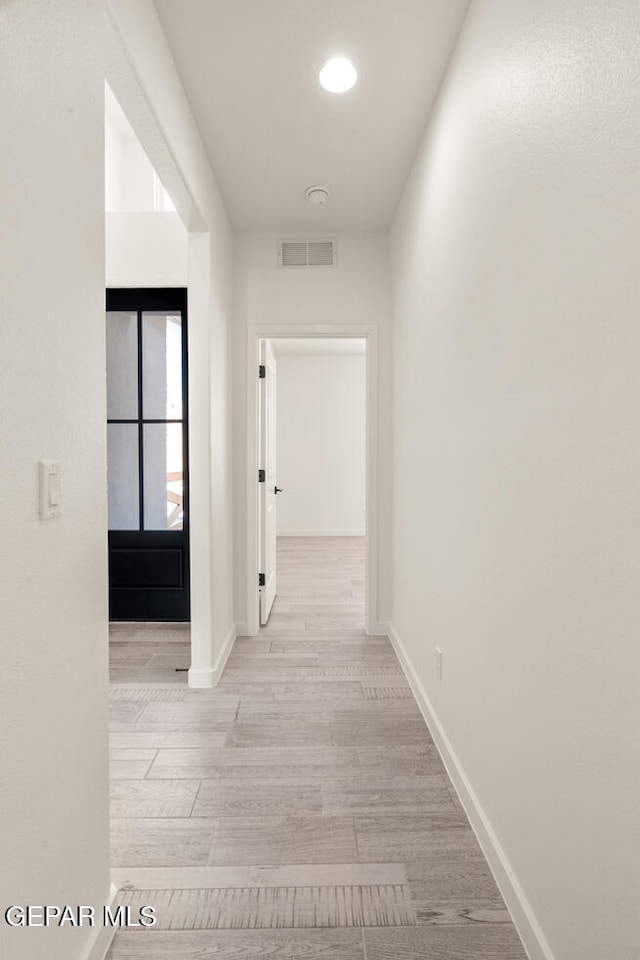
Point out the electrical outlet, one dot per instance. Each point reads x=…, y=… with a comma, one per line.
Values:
x=439, y=663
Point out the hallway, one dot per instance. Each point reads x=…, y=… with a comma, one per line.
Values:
x=300, y=809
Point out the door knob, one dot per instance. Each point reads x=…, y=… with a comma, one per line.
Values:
x=277, y=489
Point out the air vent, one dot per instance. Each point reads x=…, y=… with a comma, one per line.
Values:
x=321, y=253
x=307, y=253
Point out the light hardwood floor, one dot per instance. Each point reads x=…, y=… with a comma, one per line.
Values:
x=300, y=810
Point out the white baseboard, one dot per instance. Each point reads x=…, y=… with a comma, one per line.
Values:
x=379, y=628
x=243, y=630
x=101, y=937
x=519, y=907
x=209, y=678
x=321, y=533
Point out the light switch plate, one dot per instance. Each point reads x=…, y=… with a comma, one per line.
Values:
x=50, y=472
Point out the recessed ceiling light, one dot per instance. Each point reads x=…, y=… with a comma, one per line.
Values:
x=338, y=75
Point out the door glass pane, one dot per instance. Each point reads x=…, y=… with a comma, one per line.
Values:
x=122, y=366
x=163, y=485
x=122, y=476
x=162, y=366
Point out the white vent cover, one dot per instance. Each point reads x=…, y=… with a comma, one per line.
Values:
x=307, y=253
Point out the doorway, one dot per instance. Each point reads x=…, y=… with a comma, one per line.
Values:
x=321, y=503
x=147, y=443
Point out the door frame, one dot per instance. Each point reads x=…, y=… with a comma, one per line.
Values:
x=268, y=489
x=255, y=333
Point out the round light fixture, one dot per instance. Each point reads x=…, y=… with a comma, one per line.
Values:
x=317, y=195
x=338, y=75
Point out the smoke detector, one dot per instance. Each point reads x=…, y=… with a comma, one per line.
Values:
x=318, y=196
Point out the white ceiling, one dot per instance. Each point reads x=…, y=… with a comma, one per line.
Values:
x=249, y=68
x=320, y=345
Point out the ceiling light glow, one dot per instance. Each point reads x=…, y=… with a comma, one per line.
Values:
x=338, y=75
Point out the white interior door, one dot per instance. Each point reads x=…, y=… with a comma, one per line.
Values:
x=268, y=487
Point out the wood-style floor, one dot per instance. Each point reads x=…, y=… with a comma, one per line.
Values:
x=300, y=810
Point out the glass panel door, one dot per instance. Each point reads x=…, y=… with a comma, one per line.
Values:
x=147, y=447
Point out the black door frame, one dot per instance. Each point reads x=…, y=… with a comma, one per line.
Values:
x=140, y=586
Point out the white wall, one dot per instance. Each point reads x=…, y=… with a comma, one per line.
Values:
x=128, y=174
x=143, y=76
x=53, y=591
x=146, y=250
x=145, y=246
x=321, y=433
x=516, y=457
x=354, y=293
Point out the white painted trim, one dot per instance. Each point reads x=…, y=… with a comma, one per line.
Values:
x=242, y=629
x=252, y=501
x=521, y=911
x=209, y=678
x=255, y=333
x=322, y=533
x=101, y=937
x=148, y=281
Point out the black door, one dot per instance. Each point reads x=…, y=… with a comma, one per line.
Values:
x=147, y=454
